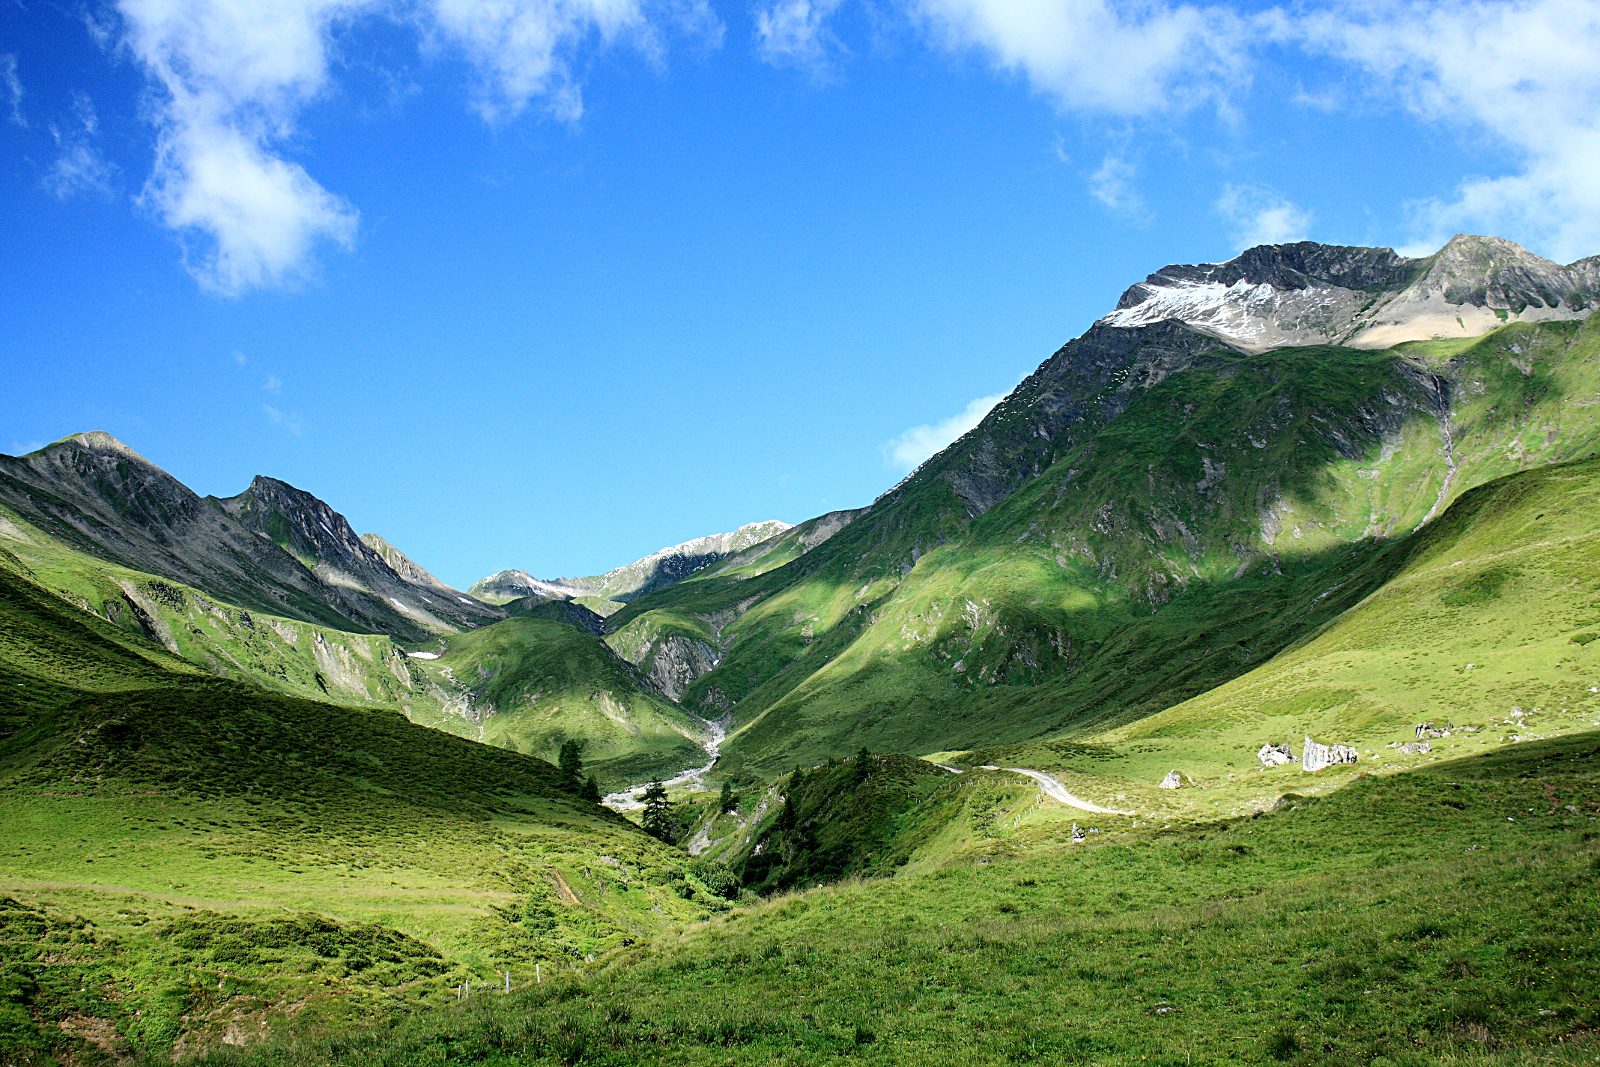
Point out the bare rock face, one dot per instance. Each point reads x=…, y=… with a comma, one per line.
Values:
x=1275, y=755
x=518, y=585
x=1306, y=293
x=676, y=661
x=97, y=495
x=661, y=568
x=1415, y=748
x=321, y=539
x=1173, y=780
x=1315, y=757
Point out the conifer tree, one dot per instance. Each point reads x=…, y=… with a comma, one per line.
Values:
x=591, y=790
x=657, y=819
x=728, y=802
x=571, y=759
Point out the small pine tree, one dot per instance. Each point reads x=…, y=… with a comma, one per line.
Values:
x=571, y=759
x=729, y=802
x=591, y=790
x=657, y=819
x=863, y=764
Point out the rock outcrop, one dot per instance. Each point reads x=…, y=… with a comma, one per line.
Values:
x=1315, y=757
x=1275, y=755
x=1173, y=780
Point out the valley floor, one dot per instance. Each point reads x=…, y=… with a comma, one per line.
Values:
x=1442, y=915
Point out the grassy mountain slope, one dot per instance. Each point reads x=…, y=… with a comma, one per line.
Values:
x=1183, y=529
x=279, y=654
x=1488, y=625
x=531, y=683
x=186, y=859
x=1438, y=916
x=484, y=688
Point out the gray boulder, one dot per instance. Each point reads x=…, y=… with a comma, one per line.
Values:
x=1314, y=757
x=1173, y=780
x=1275, y=755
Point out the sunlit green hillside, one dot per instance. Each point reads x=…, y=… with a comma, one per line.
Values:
x=1185, y=530
x=184, y=855
x=530, y=683
x=1439, y=916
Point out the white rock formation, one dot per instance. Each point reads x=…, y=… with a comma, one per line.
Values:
x=1314, y=757
x=1275, y=755
x=1173, y=780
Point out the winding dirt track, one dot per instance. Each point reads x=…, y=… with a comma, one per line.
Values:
x=1052, y=789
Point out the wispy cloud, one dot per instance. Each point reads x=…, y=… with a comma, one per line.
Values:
x=795, y=33
x=289, y=420
x=524, y=49
x=233, y=76
x=78, y=167
x=917, y=444
x=1524, y=74
x=13, y=84
x=1113, y=186
x=272, y=384
x=1122, y=58
x=1262, y=216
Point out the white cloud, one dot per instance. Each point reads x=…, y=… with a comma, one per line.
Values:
x=1112, y=185
x=914, y=446
x=1097, y=54
x=1261, y=216
x=795, y=33
x=523, y=49
x=233, y=74
x=13, y=83
x=78, y=167
x=1523, y=73
x=272, y=384
x=289, y=420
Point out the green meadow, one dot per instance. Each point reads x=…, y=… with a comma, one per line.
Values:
x=1442, y=915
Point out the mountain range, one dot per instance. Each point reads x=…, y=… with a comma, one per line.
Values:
x=1315, y=495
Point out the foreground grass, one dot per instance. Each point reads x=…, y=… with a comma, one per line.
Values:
x=1444, y=915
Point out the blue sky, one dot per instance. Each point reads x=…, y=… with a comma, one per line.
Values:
x=553, y=284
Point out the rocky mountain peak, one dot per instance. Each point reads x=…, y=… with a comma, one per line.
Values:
x=1308, y=293
x=660, y=568
x=518, y=584
x=1302, y=265
x=1493, y=272
x=103, y=443
x=303, y=524
x=121, y=482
